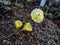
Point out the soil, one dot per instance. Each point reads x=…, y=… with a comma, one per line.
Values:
x=44, y=33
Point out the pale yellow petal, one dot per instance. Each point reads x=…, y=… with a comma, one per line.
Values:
x=37, y=15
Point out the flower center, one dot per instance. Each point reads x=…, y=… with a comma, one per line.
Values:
x=37, y=16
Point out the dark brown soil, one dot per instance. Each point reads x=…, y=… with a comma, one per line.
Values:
x=45, y=33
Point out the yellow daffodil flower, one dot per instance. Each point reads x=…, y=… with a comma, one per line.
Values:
x=18, y=24
x=37, y=15
x=27, y=27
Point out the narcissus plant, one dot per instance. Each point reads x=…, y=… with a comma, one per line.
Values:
x=18, y=24
x=27, y=27
x=37, y=15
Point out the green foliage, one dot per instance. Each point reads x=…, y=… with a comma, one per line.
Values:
x=28, y=0
x=7, y=3
x=19, y=5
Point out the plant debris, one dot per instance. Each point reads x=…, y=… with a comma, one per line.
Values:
x=45, y=33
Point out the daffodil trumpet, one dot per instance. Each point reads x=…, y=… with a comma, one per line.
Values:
x=27, y=27
x=18, y=24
